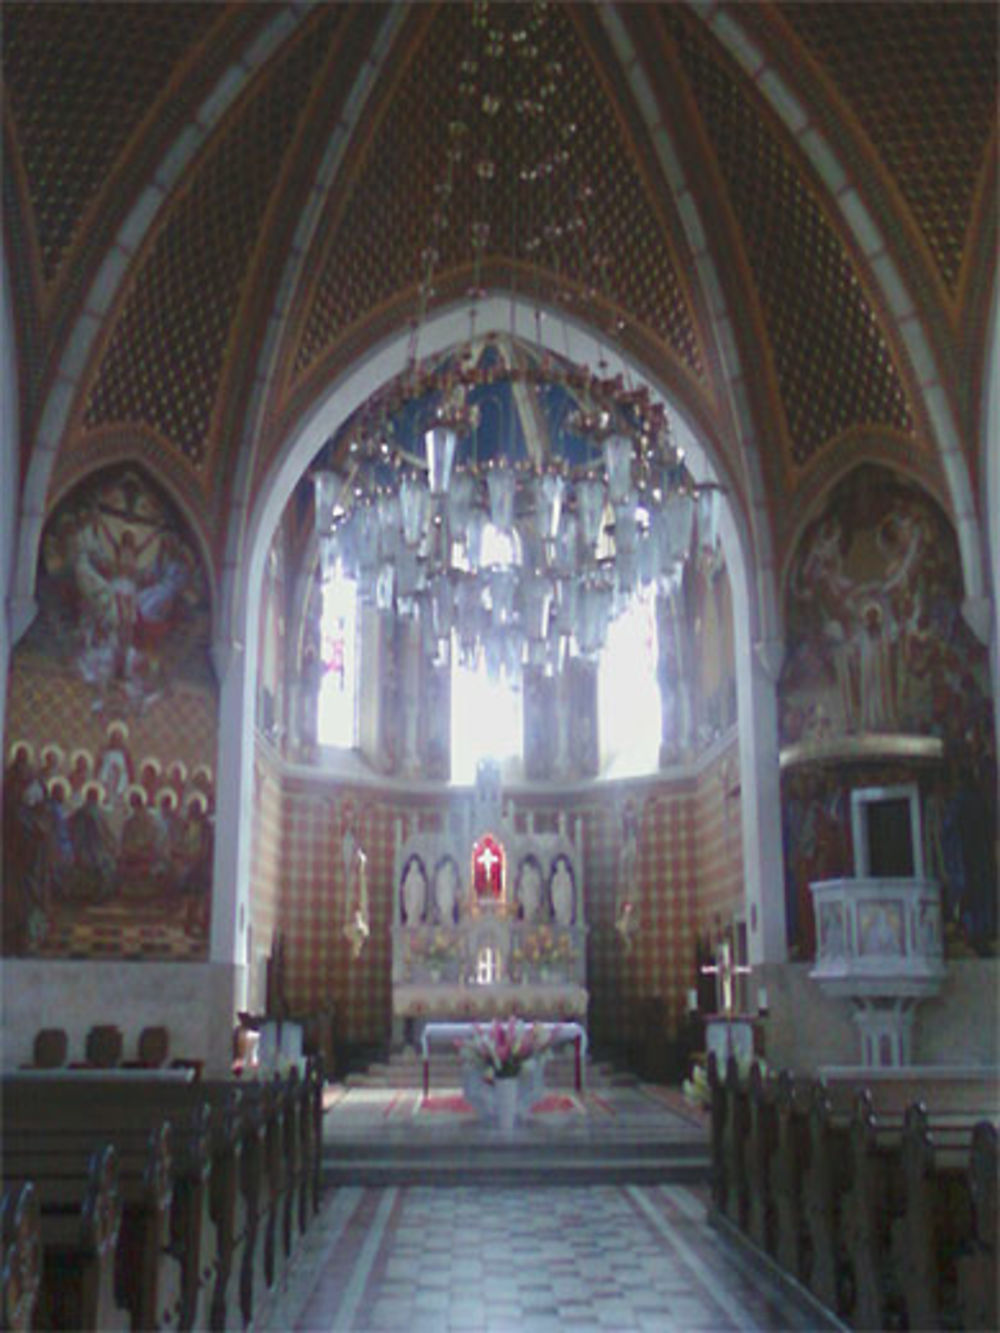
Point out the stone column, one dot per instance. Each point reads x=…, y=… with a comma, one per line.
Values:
x=233, y=836
x=541, y=723
x=758, y=667
x=409, y=677
x=584, y=739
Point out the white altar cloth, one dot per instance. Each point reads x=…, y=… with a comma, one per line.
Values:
x=560, y=1034
x=550, y=1001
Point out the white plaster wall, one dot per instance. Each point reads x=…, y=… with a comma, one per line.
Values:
x=960, y=1026
x=193, y=1000
x=805, y=1029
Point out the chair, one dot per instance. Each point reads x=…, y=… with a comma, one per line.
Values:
x=152, y=1049
x=50, y=1049
x=104, y=1046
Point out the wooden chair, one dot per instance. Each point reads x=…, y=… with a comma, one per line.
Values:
x=50, y=1049
x=104, y=1046
x=152, y=1049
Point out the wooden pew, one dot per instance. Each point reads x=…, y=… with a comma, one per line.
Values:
x=730, y=1119
x=205, y=1233
x=872, y=1198
x=946, y=1216
x=825, y=1174
x=762, y=1140
x=978, y=1280
x=263, y=1182
x=21, y=1262
x=313, y=1133
x=147, y=1273
x=79, y=1222
x=906, y=1211
x=717, y=1131
x=817, y=1175
x=786, y=1171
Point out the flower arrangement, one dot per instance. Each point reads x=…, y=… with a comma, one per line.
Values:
x=436, y=948
x=502, y=1049
x=544, y=946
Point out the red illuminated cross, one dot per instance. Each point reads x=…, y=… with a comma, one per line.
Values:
x=488, y=858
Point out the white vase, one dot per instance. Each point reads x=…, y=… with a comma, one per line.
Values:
x=505, y=1099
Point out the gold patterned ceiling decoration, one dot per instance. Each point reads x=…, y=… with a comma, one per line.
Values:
x=922, y=81
x=79, y=79
x=833, y=366
x=163, y=364
x=530, y=84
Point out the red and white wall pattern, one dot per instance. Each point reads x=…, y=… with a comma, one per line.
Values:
x=690, y=882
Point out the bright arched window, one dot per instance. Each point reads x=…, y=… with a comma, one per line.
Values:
x=337, y=719
x=486, y=716
x=629, y=705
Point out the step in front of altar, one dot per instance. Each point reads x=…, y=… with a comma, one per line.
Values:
x=406, y=1069
x=515, y=1163
x=379, y=1131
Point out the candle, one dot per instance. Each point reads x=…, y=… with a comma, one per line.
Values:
x=692, y=1001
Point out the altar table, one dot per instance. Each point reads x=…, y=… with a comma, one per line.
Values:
x=560, y=1034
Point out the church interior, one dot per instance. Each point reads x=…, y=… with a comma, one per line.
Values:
x=501, y=516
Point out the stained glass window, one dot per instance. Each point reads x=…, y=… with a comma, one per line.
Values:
x=338, y=707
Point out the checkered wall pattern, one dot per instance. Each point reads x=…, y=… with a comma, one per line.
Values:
x=719, y=846
x=689, y=869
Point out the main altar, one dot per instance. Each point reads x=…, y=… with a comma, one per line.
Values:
x=488, y=915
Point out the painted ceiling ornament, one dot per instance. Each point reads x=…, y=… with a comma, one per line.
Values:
x=627, y=880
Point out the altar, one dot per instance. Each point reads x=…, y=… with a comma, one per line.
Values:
x=488, y=916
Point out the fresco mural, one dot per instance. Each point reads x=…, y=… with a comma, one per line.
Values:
x=108, y=790
x=878, y=648
x=271, y=645
x=714, y=676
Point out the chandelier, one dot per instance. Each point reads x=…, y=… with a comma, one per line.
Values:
x=525, y=544
x=505, y=499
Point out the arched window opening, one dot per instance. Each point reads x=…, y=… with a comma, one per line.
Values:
x=629, y=703
x=486, y=713
x=337, y=721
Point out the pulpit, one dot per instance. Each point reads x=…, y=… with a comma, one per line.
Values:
x=879, y=935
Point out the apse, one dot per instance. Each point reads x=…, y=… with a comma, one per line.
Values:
x=509, y=522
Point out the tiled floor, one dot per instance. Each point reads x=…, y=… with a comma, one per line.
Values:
x=489, y=1259
x=545, y=1258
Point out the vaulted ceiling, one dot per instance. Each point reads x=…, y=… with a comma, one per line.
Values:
x=786, y=213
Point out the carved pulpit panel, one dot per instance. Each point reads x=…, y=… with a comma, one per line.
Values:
x=488, y=866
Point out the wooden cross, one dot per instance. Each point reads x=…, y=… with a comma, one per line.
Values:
x=725, y=972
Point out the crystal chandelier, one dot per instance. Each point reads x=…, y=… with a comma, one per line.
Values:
x=525, y=549
x=520, y=543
